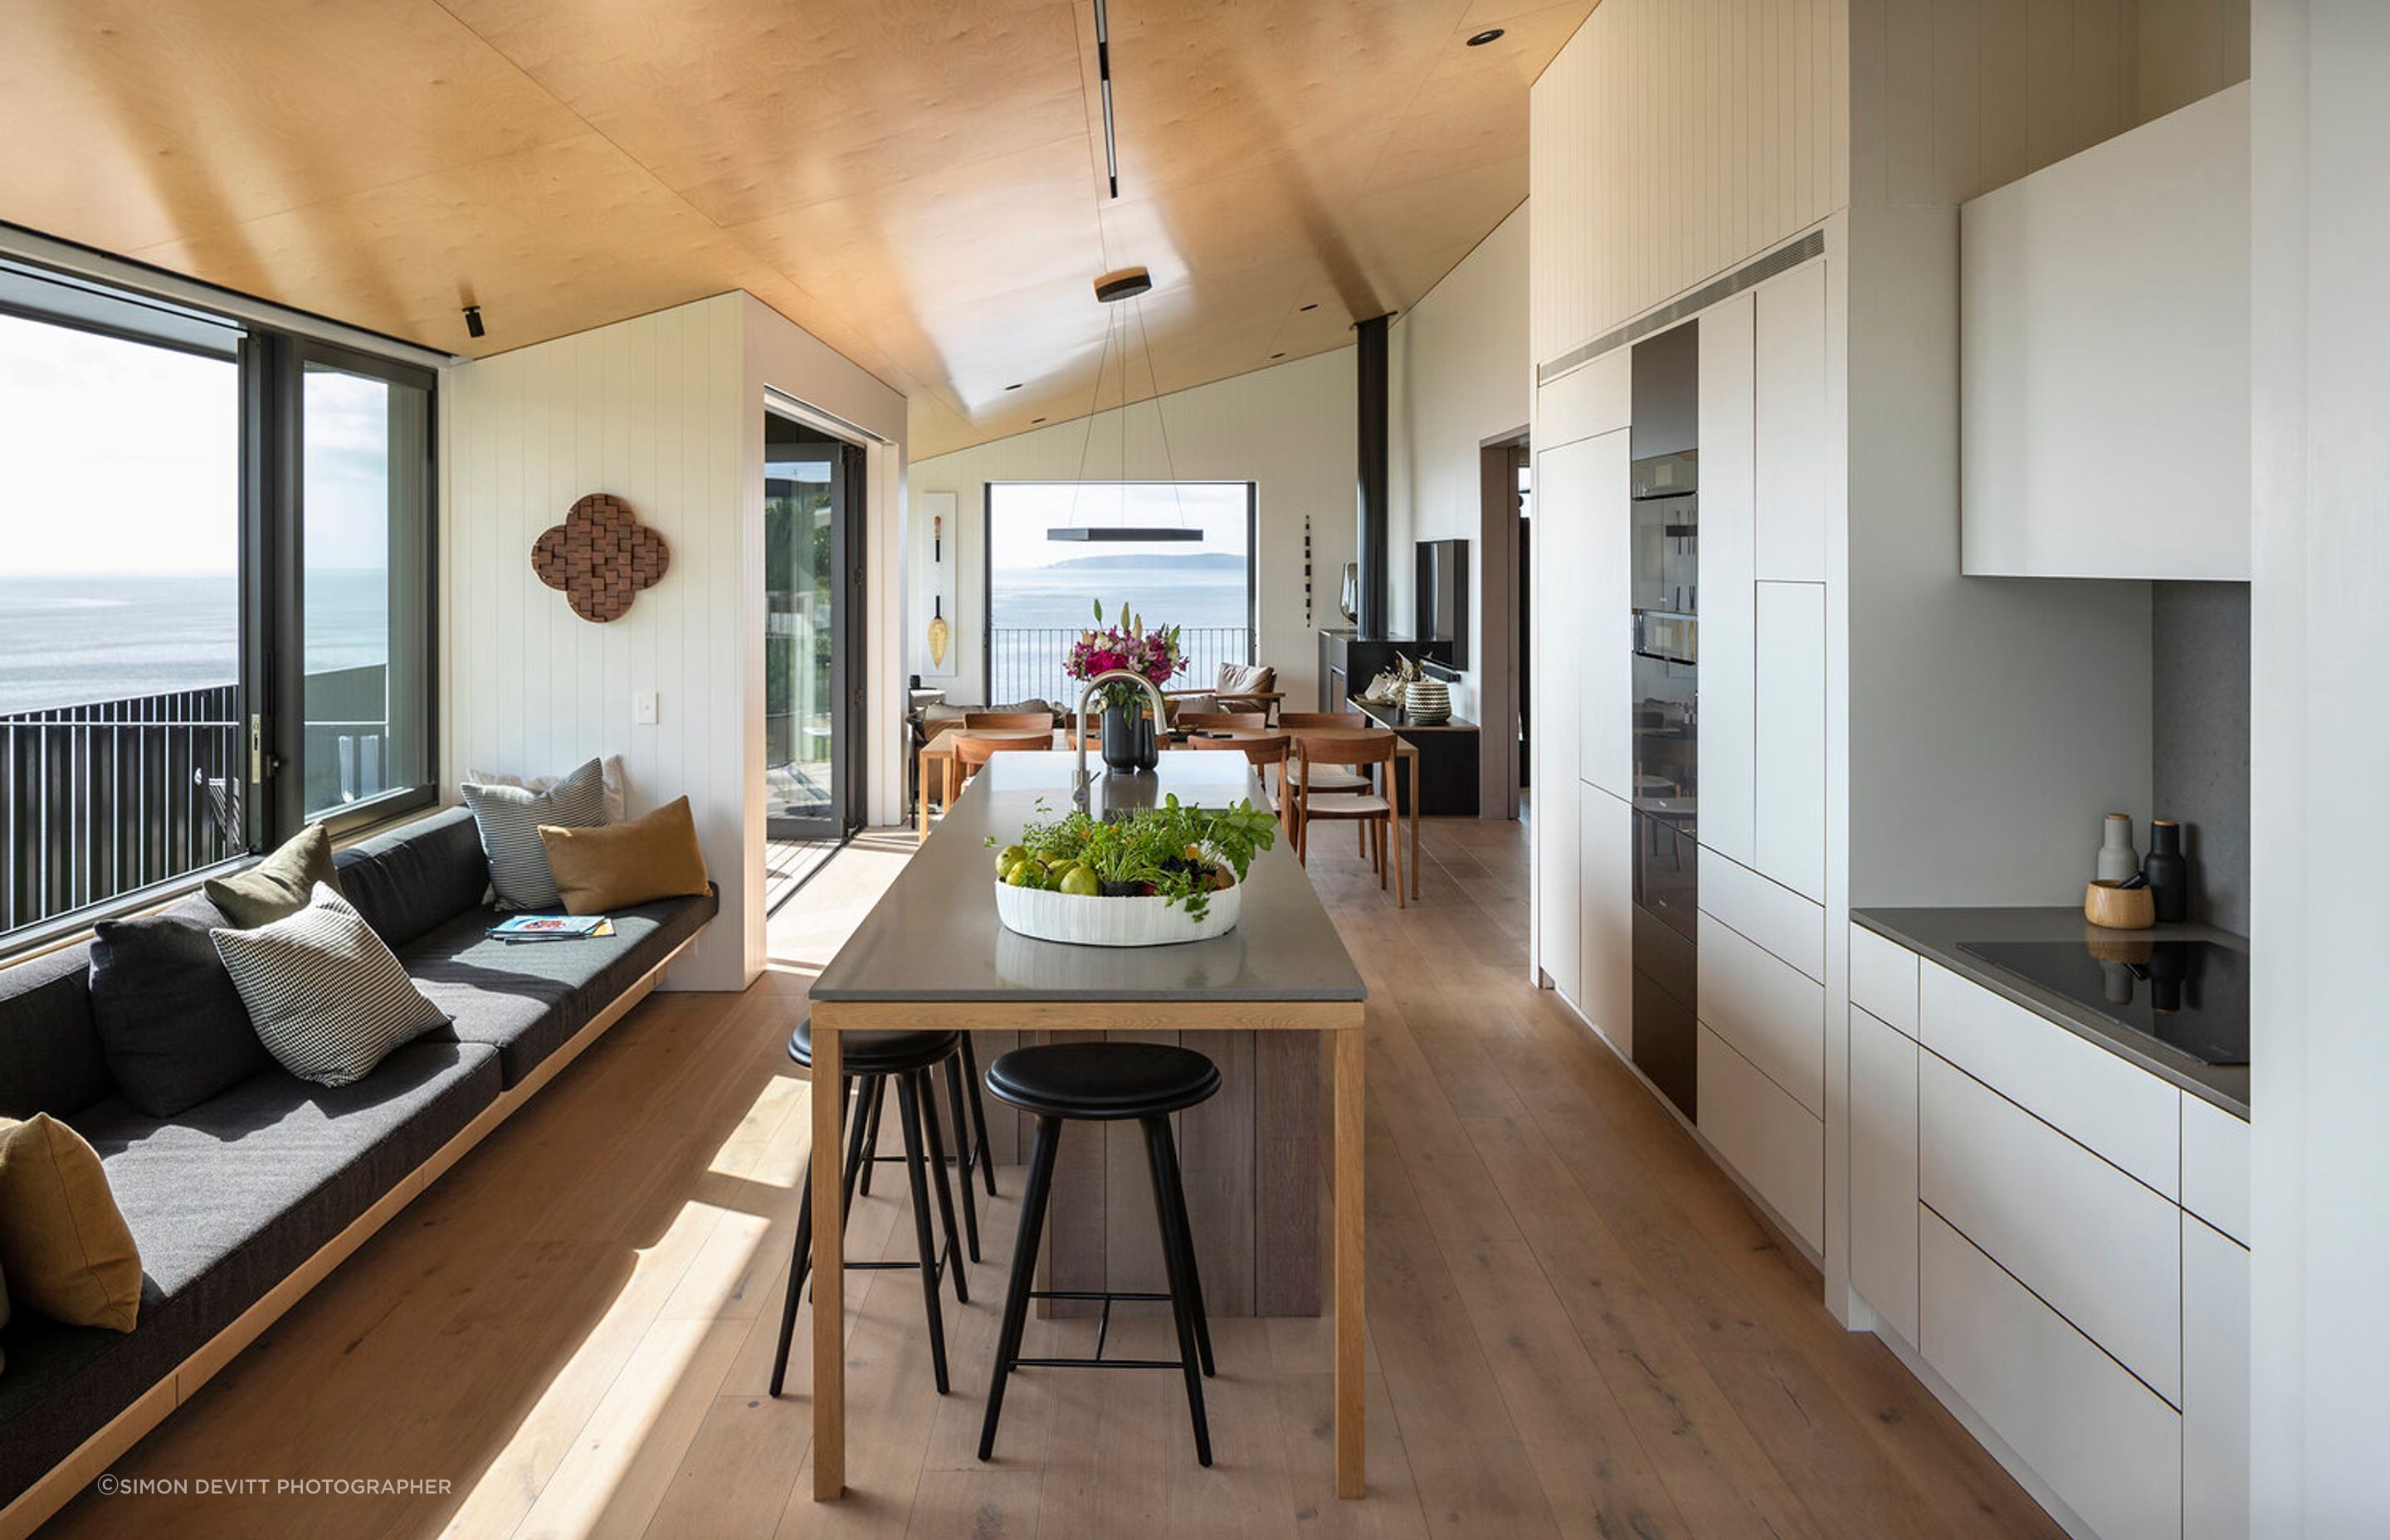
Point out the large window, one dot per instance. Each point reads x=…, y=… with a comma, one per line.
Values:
x=203, y=521
x=1177, y=553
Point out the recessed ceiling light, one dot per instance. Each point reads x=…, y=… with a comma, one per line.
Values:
x=1278, y=356
x=1489, y=35
x=1015, y=385
x=1035, y=421
x=1313, y=305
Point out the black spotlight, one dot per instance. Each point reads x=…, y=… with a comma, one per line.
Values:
x=1489, y=35
x=473, y=327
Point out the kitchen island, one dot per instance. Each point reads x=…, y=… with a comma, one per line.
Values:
x=931, y=953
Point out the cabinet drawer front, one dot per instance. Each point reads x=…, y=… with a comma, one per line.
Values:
x=2111, y=1450
x=2215, y=1166
x=2102, y=1250
x=1778, y=919
x=1774, y=1014
x=2124, y=1113
x=1883, y=1170
x=1883, y=979
x=1772, y=1141
x=2215, y=1385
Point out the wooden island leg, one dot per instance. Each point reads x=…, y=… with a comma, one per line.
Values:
x=829, y=1265
x=1351, y=1464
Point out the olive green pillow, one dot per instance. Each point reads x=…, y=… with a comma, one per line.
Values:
x=279, y=886
x=63, y=1243
x=618, y=865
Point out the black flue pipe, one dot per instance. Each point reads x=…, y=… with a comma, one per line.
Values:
x=1369, y=482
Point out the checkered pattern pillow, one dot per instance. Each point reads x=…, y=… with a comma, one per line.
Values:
x=329, y=1000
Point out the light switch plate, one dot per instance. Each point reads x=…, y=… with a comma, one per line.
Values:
x=643, y=708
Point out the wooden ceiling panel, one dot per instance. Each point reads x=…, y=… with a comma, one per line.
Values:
x=917, y=181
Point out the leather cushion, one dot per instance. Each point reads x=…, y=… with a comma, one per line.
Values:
x=873, y=1053
x=1104, y=1080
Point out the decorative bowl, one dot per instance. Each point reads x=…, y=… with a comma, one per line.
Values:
x=1084, y=921
x=2114, y=909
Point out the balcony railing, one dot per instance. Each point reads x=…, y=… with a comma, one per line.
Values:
x=1025, y=663
x=102, y=800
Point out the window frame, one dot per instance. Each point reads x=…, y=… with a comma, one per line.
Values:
x=270, y=349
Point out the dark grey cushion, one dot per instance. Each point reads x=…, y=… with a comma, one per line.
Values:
x=416, y=878
x=225, y=1201
x=170, y=1025
x=526, y=998
x=50, y=1052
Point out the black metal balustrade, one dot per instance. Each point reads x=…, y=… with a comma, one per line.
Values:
x=1025, y=663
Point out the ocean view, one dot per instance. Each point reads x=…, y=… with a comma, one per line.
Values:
x=73, y=640
x=1196, y=591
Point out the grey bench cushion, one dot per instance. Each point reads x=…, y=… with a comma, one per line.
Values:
x=226, y=1200
x=527, y=998
x=50, y=1050
x=412, y=880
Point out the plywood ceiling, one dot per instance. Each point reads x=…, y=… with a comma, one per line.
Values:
x=917, y=182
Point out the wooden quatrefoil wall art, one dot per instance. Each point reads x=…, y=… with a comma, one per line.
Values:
x=602, y=556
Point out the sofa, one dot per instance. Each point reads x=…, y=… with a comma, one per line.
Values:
x=240, y=1203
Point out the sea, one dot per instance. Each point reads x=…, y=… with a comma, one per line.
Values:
x=1197, y=593
x=69, y=640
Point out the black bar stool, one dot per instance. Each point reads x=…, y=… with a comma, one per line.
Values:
x=872, y=1058
x=970, y=1152
x=1105, y=1082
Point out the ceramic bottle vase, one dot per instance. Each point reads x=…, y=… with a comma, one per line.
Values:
x=2169, y=870
x=2118, y=859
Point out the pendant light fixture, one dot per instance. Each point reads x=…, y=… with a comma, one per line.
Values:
x=1126, y=284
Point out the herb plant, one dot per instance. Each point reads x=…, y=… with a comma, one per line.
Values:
x=1173, y=852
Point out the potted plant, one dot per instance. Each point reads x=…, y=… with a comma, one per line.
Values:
x=1131, y=740
x=1150, y=877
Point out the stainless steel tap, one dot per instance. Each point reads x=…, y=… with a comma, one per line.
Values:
x=1080, y=780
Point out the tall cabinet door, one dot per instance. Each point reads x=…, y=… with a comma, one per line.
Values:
x=1562, y=508
x=1789, y=801
x=1597, y=596
x=1789, y=401
x=1727, y=692
x=1606, y=912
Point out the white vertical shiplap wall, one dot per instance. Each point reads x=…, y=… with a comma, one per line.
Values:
x=659, y=410
x=1669, y=140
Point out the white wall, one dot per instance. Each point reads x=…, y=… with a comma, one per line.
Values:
x=2320, y=647
x=1459, y=376
x=665, y=411
x=1291, y=429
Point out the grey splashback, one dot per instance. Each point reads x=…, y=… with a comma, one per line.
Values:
x=2200, y=733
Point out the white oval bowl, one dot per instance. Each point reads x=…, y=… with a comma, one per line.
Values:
x=1097, y=921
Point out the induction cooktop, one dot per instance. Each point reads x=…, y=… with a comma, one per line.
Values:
x=2193, y=996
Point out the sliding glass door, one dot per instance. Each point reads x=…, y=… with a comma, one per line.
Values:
x=813, y=602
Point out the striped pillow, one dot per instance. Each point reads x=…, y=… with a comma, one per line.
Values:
x=329, y=1000
x=508, y=818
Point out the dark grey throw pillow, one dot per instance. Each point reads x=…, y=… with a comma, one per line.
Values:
x=170, y=1023
x=328, y=999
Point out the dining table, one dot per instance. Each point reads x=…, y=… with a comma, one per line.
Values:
x=931, y=953
x=938, y=756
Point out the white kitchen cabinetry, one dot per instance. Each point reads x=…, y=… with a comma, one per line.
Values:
x=1780, y=921
x=1789, y=804
x=1883, y=979
x=1583, y=615
x=1883, y=1172
x=1774, y=1014
x=1774, y=1143
x=2215, y=1166
x=2098, y=1247
x=1727, y=692
x=2104, y=337
x=2109, y=1448
x=1605, y=908
x=2215, y=1384
x=1789, y=518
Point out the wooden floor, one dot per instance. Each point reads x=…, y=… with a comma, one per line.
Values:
x=1577, y=1325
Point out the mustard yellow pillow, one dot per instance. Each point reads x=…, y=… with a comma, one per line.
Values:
x=615, y=865
x=63, y=1244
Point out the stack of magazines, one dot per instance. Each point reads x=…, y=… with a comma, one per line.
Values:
x=552, y=927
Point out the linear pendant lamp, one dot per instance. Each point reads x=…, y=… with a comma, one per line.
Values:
x=1127, y=283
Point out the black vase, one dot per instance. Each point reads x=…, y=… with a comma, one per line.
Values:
x=1128, y=743
x=2169, y=870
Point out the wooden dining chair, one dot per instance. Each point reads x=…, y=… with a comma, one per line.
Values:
x=981, y=722
x=1376, y=813
x=1261, y=752
x=972, y=753
x=1218, y=720
x=1293, y=720
x=1328, y=778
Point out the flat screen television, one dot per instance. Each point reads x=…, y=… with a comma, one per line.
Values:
x=1440, y=596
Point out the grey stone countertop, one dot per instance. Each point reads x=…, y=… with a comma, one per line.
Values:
x=934, y=935
x=1937, y=934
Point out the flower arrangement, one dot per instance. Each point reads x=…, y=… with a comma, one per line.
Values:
x=1126, y=644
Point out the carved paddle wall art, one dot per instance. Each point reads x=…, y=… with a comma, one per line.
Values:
x=602, y=556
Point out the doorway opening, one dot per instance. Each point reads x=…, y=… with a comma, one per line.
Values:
x=1504, y=525
x=814, y=759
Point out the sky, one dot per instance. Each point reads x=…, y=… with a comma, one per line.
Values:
x=116, y=457
x=1024, y=510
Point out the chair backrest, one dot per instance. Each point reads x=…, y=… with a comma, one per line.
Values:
x=1223, y=719
x=1321, y=719
x=1269, y=750
x=980, y=722
x=1344, y=749
x=973, y=753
